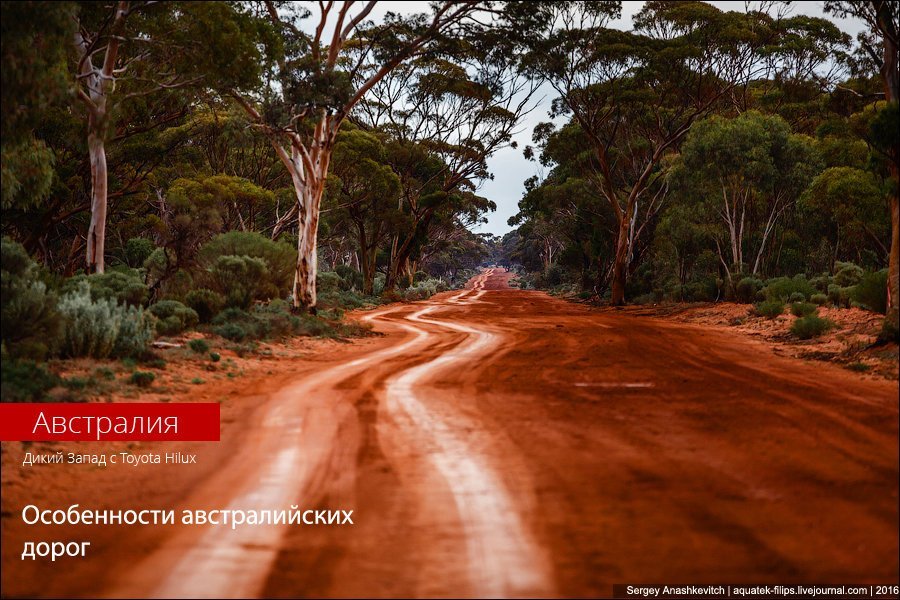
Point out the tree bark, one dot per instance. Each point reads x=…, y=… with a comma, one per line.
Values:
x=620, y=265
x=96, y=238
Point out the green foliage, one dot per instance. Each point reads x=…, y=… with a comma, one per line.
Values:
x=425, y=289
x=274, y=280
x=142, y=379
x=206, y=303
x=174, y=317
x=200, y=346
x=137, y=251
x=746, y=289
x=25, y=381
x=819, y=299
x=215, y=357
x=351, y=279
x=802, y=309
x=769, y=309
x=797, y=297
x=92, y=327
x=27, y=173
x=847, y=274
x=871, y=291
x=782, y=288
x=136, y=332
x=811, y=326
x=29, y=320
x=839, y=296
x=241, y=278
x=123, y=286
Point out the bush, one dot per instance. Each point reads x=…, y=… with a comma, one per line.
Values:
x=25, y=381
x=782, y=288
x=142, y=379
x=351, y=279
x=199, y=346
x=92, y=327
x=769, y=309
x=811, y=326
x=136, y=332
x=234, y=332
x=29, y=319
x=819, y=299
x=821, y=282
x=279, y=259
x=174, y=317
x=328, y=282
x=206, y=303
x=137, y=251
x=797, y=297
x=746, y=289
x=847, y=274
x=802, y=309
x=871, y=291
x=125, y=287
x=839, y=296
x=241, y=279
x=215, y=356
x=425, y=289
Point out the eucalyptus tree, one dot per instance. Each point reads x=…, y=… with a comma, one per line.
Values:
x=127, y=50
x=314, y=82
x=635, y=95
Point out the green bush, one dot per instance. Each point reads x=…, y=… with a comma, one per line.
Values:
x=174, y=317
x=136, y=331
x=92, y=327
x=802, y=309
x=839, y=296
x=215, y=356
x=279, y=259
x=137, y=251
x=797, y=297
x=847, y=274
x=819, y=299
x=871, y=291
x=30, y=322
x=234, y=332
x=241, y=279
x=328, y=282
x=425, y=289
x=821, y=282
x=351, y=279
x=770, y=309
x=782, y=288
x=746, y=289
x=25, y=381
x=811, y=326
x=142, y=379
x=200, y=346
x=206, y=303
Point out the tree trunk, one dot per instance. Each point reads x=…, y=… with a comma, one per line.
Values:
x=309, y=200
x=620, y=265
x=893, y=291
x=96, y=238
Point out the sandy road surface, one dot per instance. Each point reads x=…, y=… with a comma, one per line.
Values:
x=498, y=442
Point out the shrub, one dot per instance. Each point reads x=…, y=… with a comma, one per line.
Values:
x=819, y=299
x=839, y=296
x=29, y=320
x=25, y=381
x=425, y=289
x=215, y=356
x=142, y=379
x=92, y=327
x=746, y=289
x=351, y=279
x=206, y=303
x=279, y=259
x=174, y=317
x=199, y=346
x=137, y=251
x=234, y=332
x=811, y=326
x=125, y=287
x=136, y=332
x=821, y=282
x=769, y=309
x=327, y=282
x=802, y=309
x=797, y=297
x=241, y=279
x=871, y=291
x=847, y=274
x=782, y=288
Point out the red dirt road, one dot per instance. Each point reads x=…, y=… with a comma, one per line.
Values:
x=498, y=442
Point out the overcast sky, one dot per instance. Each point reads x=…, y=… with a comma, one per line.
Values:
x=509, y=166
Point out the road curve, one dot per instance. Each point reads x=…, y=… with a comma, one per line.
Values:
x=503, y=443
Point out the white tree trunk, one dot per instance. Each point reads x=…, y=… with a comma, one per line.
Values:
x=96, y=238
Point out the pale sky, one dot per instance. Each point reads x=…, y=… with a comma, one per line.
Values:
x=509, y=166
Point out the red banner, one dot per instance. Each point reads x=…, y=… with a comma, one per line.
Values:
x=112, y=422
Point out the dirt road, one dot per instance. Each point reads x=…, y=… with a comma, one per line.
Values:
x=498, y=442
